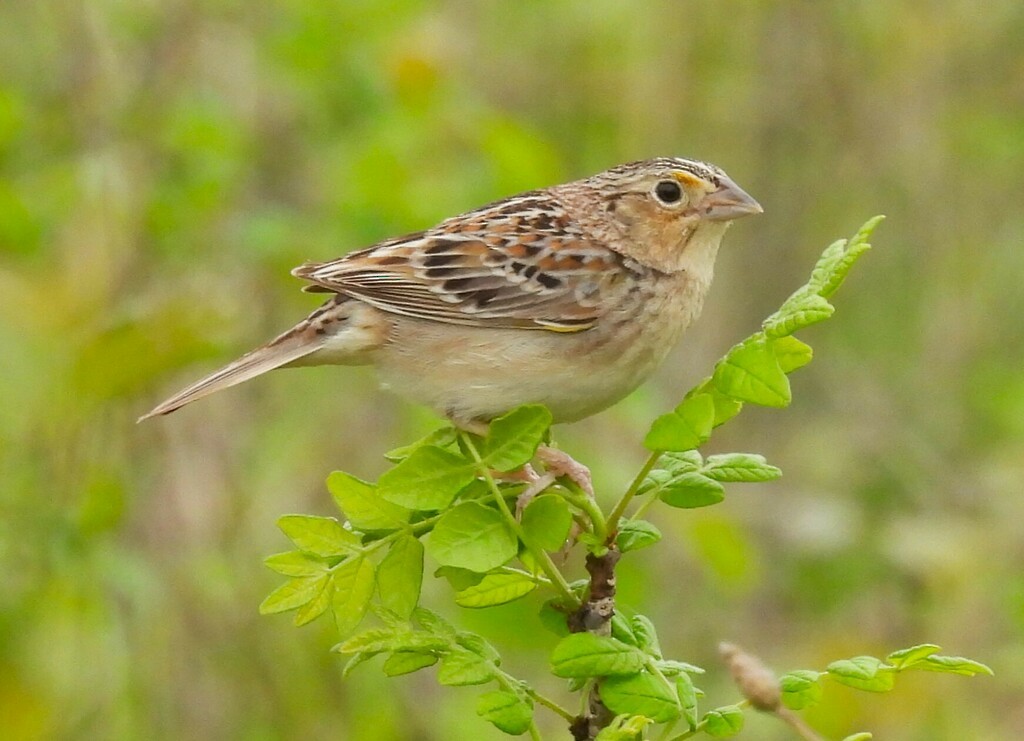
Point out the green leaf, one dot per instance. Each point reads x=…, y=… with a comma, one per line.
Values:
x=356, y=660
x=441, y=437
x=546, y=522
x=459, y=579
x=472, y=536
x=460, y=668
x=681, y=486
x=496, y=589
x=671, y=667
x=685, y=428
x=791, y=353
x=691, y=490
x=513, y=438
x=686, y=461
x=624, y=728
x=362, y=506
x=724, y=722
x=378, y=640
x=435, y=624
x=593, y=543
x=476, y=643
x=739, y=467
x=505, y=710
x=400, y=576
x=390, y=618
x=428, y=479
x=800, y=310
x=687, y=695
x=906, y=657
x=726, y=407
x=293, y=593
x=553, y=618
x=316, y=606
x=640, y=694
x=589, y=655
x=800, y=689
x=751, y=372
x=954, y=665
x=353, y=587
x=622, y=629
x=862, y=736
x=835, y=263
x=646, y=635
x=370, y=642
x=480, y=489
x=636, y=534
x=407, y=662
x=296, y=563
x=321, y=536
x=863, y=673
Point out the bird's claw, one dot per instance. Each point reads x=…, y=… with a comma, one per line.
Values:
x=559, y=463
x=538, y=483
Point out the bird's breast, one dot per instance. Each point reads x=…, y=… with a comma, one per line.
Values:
x=470, y=373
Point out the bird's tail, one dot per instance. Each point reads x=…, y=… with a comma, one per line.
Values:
x=341, y=332
x=288, y=348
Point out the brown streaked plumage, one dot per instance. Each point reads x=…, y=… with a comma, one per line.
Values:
x=567, y=296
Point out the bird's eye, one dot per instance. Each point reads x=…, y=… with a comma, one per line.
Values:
x=668, y=191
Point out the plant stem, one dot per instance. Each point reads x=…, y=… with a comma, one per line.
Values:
x=620, y=506
x=390, y=537
x=588, y=505
x=510, y=683
x=543, y=559
x=645, y=505
x=550, y=704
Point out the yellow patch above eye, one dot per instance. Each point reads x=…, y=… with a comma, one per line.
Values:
x=687, y=179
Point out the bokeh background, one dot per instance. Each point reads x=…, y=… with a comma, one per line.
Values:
x=164, y=163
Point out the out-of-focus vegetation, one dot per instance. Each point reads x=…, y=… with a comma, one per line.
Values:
x=163, y=165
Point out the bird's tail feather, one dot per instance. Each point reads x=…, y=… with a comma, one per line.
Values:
x=288, y=348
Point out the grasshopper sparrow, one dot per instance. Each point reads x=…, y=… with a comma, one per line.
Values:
x=567, y=296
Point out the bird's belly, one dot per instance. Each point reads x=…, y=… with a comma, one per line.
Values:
x=469, y=373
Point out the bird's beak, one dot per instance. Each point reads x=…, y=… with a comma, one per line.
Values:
x=729, y=202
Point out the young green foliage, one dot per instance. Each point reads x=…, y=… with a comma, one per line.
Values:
x=458, y=500
x=755, y=370
x=802, y=688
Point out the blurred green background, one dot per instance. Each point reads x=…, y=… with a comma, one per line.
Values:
x=163, y=164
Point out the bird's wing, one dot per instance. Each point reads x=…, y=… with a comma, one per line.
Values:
x=520, y=262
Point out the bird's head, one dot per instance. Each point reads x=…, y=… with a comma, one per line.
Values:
x=670, y=211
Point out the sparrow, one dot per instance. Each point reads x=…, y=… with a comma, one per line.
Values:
x=567, y=296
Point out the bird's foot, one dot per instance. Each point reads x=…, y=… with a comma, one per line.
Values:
x=536, y=484
x=559, y=463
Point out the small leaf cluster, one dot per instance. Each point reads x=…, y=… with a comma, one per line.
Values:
x=756, y=369
x=802, y=689
x=460, y=500
x=687, y=481
x=463, y=659
x=442, y=485
x=636, y=680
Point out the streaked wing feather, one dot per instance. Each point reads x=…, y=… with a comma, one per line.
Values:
x=517, y=263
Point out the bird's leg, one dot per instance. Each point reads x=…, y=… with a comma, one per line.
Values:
x=556, y=462
x=537, y=484
x=559, y=463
